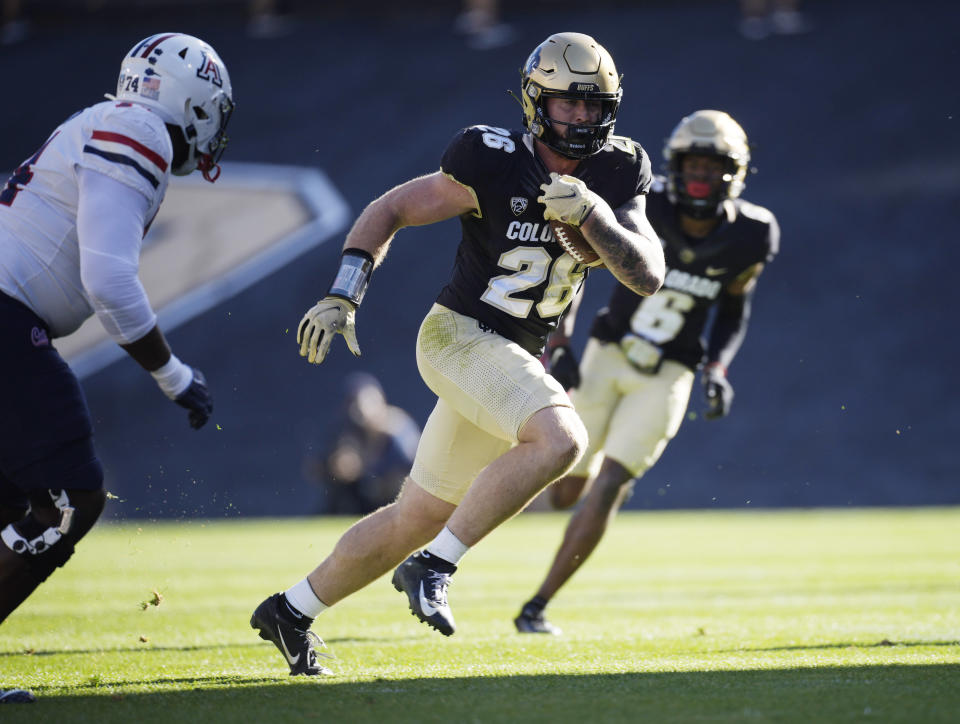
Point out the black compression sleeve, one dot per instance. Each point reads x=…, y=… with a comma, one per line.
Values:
x=729, y=328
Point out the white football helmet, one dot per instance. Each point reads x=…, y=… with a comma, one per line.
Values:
x=182, y=79
x=712, y=133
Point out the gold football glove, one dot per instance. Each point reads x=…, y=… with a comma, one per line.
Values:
x=325, y=319
x=567, y=199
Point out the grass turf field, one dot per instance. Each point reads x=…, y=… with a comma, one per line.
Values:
x=795, y=616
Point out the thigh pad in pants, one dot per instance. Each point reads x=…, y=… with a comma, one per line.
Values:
x=630, y=416
x=488, y=387
x=492, y=382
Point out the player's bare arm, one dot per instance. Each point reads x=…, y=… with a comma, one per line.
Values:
x=624, y=239
x=627, y=244
x=151, y=351
x=418, y=202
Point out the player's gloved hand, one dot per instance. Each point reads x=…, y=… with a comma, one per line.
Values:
x=325, y=319
x=197, y=399
x=564, y=366
x=567, y=199
x=718, y=390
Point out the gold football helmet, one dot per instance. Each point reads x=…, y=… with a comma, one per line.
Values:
x=712, y=133
x=570, y=65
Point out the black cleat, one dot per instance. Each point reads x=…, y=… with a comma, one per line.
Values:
x=528, y=622
x=426, y=590
x=16, y=696
x=296, y=644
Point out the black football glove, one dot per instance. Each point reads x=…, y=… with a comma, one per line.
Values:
x=718, y=390
x=564, y=366
x=197, y=399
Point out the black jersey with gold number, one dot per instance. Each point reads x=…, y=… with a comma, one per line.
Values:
x=510, y=275
x=698, y=270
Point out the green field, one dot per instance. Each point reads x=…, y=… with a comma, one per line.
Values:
x=796, y=616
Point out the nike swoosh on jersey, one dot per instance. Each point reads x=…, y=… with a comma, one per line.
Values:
x=286, y=652
x=712, y=271
x=425, y=606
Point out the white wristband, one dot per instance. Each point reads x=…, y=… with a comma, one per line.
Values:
x=173, y=378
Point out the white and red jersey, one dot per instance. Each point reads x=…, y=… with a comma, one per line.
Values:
x=44, y=259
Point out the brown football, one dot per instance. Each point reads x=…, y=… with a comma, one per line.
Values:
x=572, y=241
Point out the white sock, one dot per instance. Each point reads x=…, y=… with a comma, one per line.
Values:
x=447, y=546
x=302, y=598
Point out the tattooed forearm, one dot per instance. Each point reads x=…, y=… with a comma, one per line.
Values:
x=628, y=247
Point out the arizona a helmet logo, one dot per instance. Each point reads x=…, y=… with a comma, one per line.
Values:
x=209, y=70
x=518, y=204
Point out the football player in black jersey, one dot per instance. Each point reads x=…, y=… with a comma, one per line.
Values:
x=638, y=366
x=502, y=428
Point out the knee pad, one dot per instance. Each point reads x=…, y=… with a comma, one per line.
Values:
x=45, y=538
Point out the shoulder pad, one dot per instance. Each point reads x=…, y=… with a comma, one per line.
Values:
x=141, y=124
x=763, y=216
x=757, y=213
x=130, y=144
x=621, y=143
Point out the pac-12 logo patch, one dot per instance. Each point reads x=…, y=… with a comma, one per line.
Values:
x=518, y=204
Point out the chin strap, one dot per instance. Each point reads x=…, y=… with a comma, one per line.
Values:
x=209, y=169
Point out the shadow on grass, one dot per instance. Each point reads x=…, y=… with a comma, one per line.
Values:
x=850, y=645
x=823, y=694
x=148, y=648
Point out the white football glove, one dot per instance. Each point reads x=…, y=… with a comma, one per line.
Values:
x=324, y=320
x=567, y=199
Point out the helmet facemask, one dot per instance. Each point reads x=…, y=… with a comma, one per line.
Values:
x=571, y=66
x=207, y=138
x=695, y=201
x=573, y=140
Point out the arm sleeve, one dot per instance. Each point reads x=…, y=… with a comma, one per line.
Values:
x=110, y=222
x=733, y=311
x=729, y=327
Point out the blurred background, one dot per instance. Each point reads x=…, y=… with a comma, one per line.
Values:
x=846, y=387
